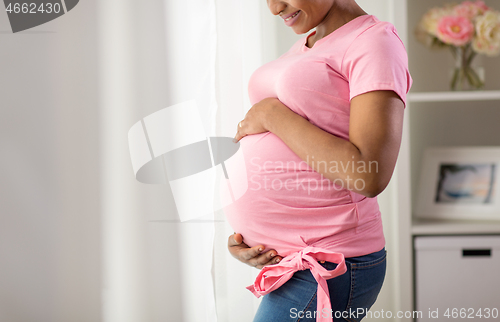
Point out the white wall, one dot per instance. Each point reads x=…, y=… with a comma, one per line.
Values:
x=49, y=181
x=74, y=222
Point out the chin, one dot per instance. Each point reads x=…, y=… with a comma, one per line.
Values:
x=300, y=31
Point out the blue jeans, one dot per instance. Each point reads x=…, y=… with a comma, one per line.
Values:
x=351, y=294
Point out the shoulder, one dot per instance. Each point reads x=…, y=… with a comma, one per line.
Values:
x=375, y=41
x=376, y=35
x=376, y=59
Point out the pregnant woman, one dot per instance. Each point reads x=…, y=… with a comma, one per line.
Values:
x=320, y=143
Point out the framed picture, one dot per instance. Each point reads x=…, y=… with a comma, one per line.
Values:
x=460, y=183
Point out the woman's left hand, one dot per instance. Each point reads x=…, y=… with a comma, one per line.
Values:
x=256, y=119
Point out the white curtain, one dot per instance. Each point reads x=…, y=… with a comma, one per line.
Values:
x=246, y=33
x=154, y=55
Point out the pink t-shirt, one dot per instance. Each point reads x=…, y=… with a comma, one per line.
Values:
x=288, y=206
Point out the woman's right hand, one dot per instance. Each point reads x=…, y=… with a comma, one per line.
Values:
x=252, y=256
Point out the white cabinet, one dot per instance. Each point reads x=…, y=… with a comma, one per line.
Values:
x=437, y=117
x=456, y=277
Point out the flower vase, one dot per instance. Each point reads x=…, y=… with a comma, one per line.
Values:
x=465, y=76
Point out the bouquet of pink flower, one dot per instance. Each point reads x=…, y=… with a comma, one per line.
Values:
x=469, y=23
x=468, y=28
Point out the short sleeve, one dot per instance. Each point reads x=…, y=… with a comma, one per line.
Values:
x=377, y=60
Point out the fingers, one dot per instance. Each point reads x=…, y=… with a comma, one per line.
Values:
x=240, y=250
x=238, y=238
x=252, y=256
x=239, y=132
x=235, y=240
x=269, y=258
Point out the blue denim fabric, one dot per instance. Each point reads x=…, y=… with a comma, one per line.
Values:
x=351, y=293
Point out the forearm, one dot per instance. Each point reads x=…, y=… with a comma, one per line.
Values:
x=333, y=157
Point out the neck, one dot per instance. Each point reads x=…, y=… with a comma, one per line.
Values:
x=341, y=13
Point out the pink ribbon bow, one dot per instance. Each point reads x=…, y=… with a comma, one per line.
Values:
x=272, y=277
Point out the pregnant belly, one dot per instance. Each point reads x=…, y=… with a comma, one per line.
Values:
x=287, y=205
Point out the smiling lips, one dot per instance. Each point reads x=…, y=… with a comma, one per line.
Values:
x=290, y=19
